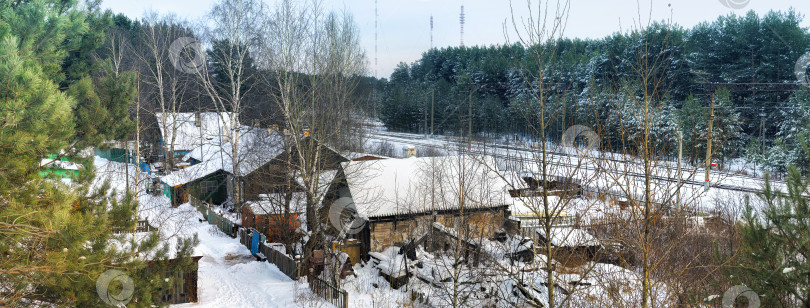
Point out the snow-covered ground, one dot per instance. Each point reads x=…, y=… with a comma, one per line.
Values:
x=228, y=275
x=626, y=177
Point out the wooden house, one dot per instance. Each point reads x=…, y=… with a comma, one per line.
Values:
x=182, y=132
x=184, y=283
x=275, y=215
x=210, y=178
x=279, y=174
x=58, y=167
x=209, y=185
x=398, y=200
x=572, y=246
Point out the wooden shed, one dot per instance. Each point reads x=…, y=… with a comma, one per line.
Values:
x=210, y=187
x=400, y=199
x=270, y=216
x=184, y=287
x=572, y=246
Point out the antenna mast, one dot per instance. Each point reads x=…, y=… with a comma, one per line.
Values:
x=461, y=20
x=376, y=17
x=431, y=31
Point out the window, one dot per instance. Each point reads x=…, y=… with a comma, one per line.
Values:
x=208, y=187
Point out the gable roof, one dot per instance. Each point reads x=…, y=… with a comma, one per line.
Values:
x=421, y=185
x=188, y=134
x=569, y=237
x=256, y=148
x=272, y=203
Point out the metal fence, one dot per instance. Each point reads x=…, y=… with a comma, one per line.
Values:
x=330, y=293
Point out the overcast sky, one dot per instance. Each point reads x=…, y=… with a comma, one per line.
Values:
x=404, y=25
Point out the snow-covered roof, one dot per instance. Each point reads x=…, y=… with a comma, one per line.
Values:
x=181, y=128
x=58, y=164
x=273, y=203
x=256, y=148
x=420, y=185
x=533, y=206
x=569, y=237
x=325, y=179
x=356, y=155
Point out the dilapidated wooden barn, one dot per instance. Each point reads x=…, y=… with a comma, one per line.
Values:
x=399, y=199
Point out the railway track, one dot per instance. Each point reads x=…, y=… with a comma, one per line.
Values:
x=479, y=148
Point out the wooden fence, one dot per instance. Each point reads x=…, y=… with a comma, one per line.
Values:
x=142, y=226
x=244, y=237
x=330, y=293
x=287, y=265
x=224, y=224
x=291, y=268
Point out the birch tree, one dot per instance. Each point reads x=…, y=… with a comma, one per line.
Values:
x=233, y=31
x=167, y=90
x=315, y=60
x=539, y=32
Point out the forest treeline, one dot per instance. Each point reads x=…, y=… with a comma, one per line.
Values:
x=746, y=63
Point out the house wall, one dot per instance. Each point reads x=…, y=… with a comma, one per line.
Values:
x=478, y=224
x=273, y=226
x=270, y=178
x=219, y=182
x=184, y=287
x=248, y=219
x=167, y=190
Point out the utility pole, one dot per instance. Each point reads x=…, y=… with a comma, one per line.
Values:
x=709, y=147
x=137, y=137
x=432, y=101
x=424, y=112
x=461, y=21
x=469, y=120
x=376, y=29
x=761, y=132
x=137, y=150
x=680, y=156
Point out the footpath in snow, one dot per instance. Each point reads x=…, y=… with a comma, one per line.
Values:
x=228, y=276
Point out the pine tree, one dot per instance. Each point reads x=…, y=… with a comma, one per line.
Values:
x=56, y=238
x=727, y=128
x=775, y=246
x=692, y=121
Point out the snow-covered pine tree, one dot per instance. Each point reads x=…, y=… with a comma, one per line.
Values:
x=56, y=237
x=775, y=245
